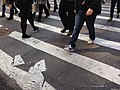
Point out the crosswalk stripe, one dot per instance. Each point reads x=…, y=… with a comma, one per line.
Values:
x=105, y=12
x=104, y=27
x=106, y=71
x=108, y=9
x=102, y=42
x=22, y=77
x=99, y=41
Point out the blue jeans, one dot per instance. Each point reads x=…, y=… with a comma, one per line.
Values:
x=79, y=21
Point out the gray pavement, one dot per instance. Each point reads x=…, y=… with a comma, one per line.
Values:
x=91, y=67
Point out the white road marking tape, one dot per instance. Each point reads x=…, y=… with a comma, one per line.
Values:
x=106, y=71
x=22, y=77
x=18, y=60
x=104, y=27
x=99, y=41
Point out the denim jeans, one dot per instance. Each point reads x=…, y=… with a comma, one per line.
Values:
x=79, y=21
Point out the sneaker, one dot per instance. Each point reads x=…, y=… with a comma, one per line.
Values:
x=69, y=48
x=90, y=41
x=109, y=20
x=36, y=29
x=26, y=36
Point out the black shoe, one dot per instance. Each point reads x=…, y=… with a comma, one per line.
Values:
x=39, y=20
x=117, y=16
x=109, y=20
x=103, y=2
x=2, y=16
x=47, y=15
x=63, y=30
x=55, y=8
x=26, y=36
x=69, y=33
x=36, y=29
x=9, y=18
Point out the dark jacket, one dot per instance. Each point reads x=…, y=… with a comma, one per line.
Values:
x=84, y=6
x=23, y=4
x=11, y=1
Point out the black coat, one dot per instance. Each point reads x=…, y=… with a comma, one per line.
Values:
x=95, y=5
x=23, y=4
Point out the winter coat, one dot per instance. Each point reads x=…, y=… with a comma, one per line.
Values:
x=84, y=5
x=24, y=4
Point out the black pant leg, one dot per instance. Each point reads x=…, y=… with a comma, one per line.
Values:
x=46, y=10
x=31, y=20
x=118, y=6
x=23, y=24
x=90, y=20
x=11, y=12
x=113, y=2
x=41, y=6
x=71, y=15
x=63, y=14
x=3, y=9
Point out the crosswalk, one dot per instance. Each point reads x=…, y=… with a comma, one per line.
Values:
x=90, y=66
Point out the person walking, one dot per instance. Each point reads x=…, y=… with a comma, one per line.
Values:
x=42, y=5
x=11, y=7
x=86, y=10
x=113, y=3
x=4, y=2
x=25, y=7
x=67, y=15
x=55, y=5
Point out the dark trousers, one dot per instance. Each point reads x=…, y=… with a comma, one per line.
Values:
x=55, y=4
x=12, y=11
x=3, y=9
x=67, y=15
x=26, y=14
x=41, y=7
x=113, y=3
x=79, y=21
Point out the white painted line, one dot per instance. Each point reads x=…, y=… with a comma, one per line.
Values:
x=41, y=65
x=22, y=77
x=104, y=27
x=108, y=9
x=106, y=71
x=18, y=60
x=105, y=12
x=36, y=76
x=47, y=86
x=1, y=26
x=106, y=18
x=99, y=41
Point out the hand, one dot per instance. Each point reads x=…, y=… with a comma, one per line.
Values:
x=89, y=12
x=10, y=6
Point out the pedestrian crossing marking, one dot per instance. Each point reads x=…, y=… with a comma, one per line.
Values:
x=106, y=71
x=99, y=41
x=22, y=77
